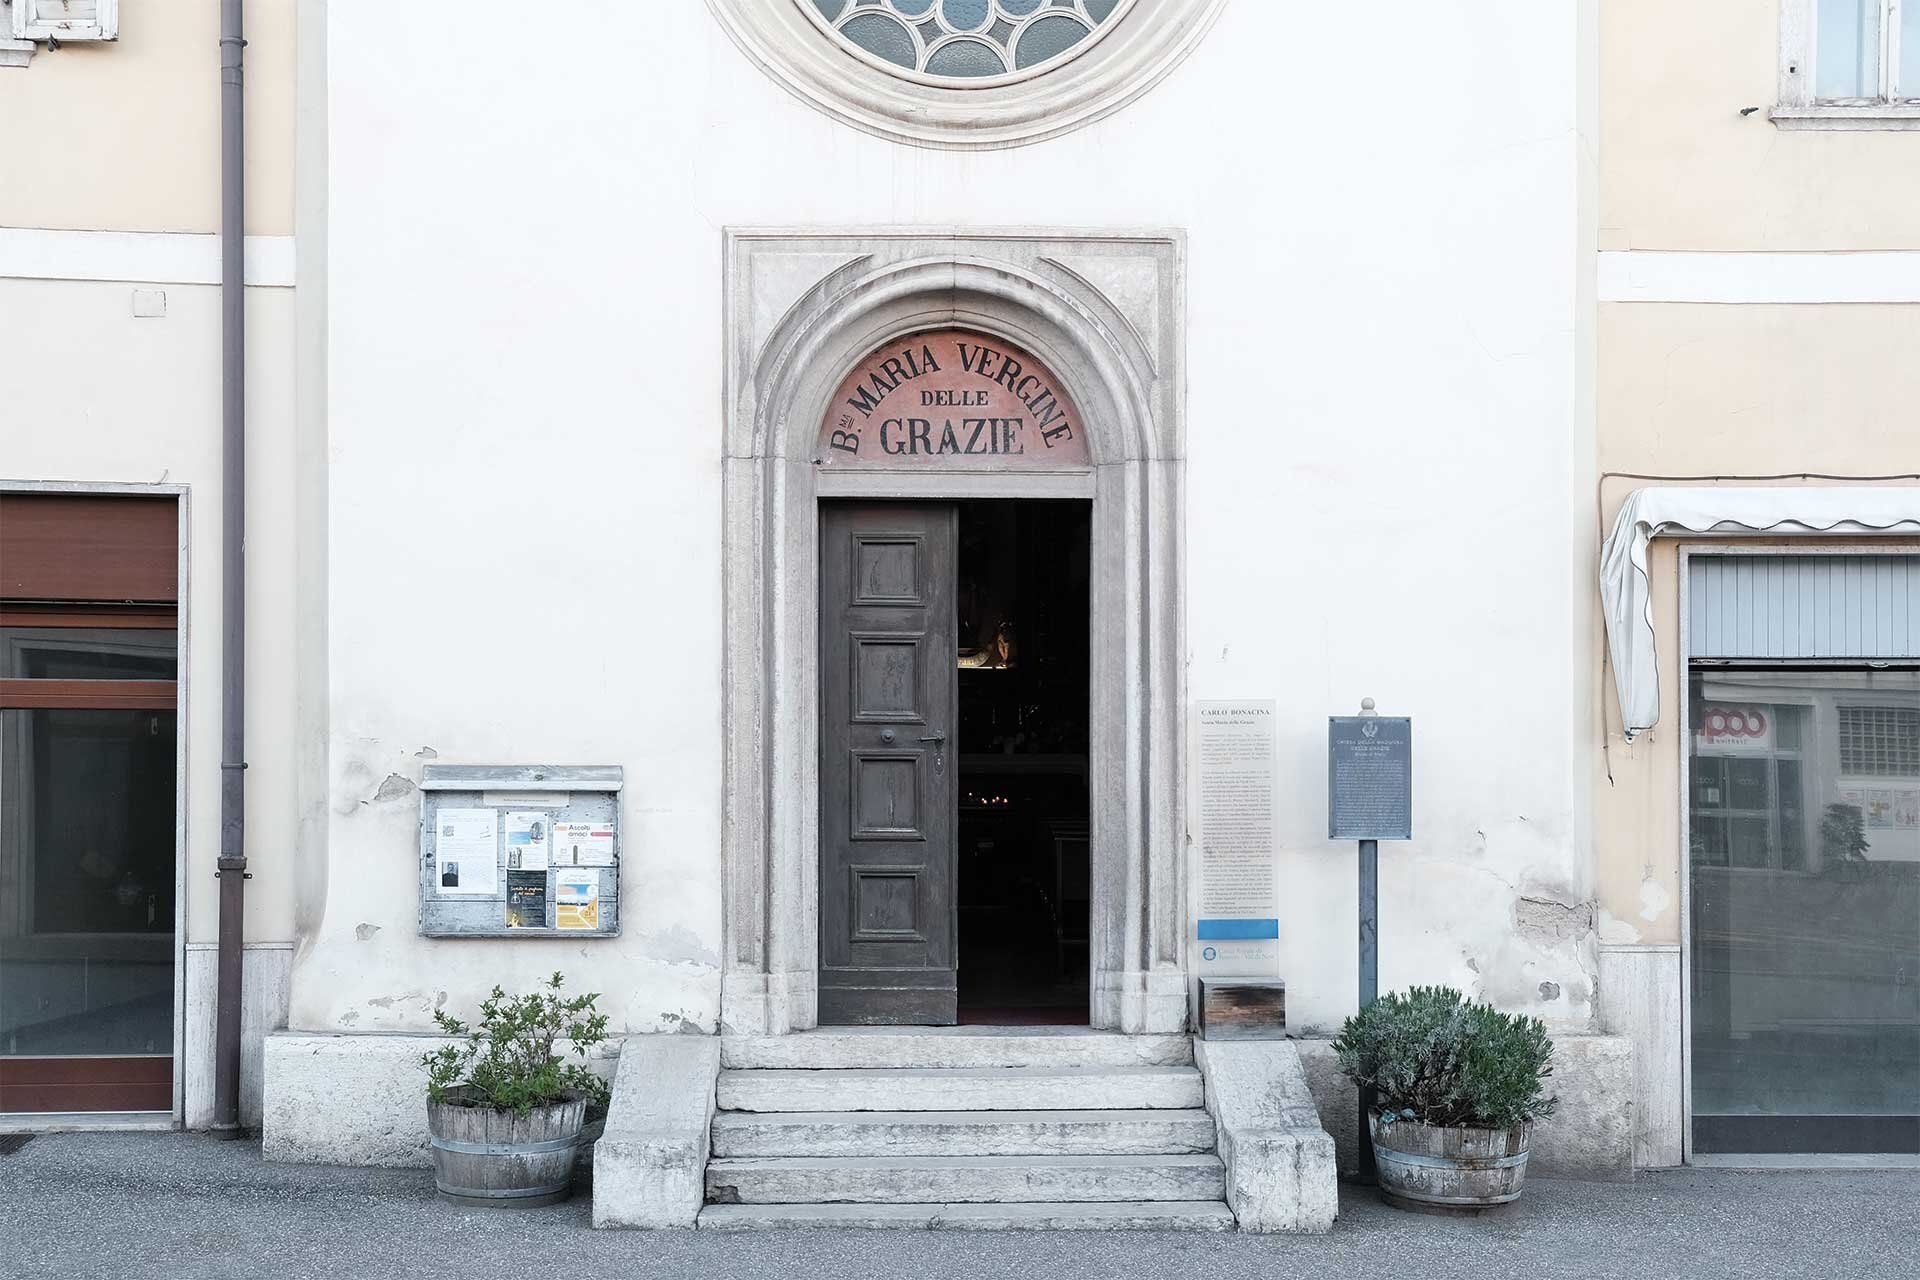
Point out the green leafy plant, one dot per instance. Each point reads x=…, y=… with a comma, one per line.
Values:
x=1843, y=834
x=1432, y=1056
x=508, y=1063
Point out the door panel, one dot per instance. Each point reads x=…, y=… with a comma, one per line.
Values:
x=888, y=685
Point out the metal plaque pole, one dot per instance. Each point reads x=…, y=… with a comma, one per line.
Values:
x=1369, y=978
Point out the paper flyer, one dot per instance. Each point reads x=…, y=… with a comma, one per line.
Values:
x=526, y=899
x=466, y=852
x=1879, y=808
x=527, y=841
x=582, y=844
x=576, y=900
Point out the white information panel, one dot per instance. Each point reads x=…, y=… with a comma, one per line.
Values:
x=1237, y=923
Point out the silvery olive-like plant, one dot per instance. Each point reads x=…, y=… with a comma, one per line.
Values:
x=1433, y=1057
x=508, y=1063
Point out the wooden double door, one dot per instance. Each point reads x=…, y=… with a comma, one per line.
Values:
x=888, y=763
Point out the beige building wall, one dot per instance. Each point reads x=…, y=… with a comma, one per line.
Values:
x=1751, y=354
x=113, y=189
x=125, y=136
x=1681, y=168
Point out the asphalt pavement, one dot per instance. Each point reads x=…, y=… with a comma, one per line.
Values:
x=189, y=1206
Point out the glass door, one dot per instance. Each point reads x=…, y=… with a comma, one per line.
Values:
x=1804, y=824
x=88, y=772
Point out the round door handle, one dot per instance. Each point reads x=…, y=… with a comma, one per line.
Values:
x=886, y=735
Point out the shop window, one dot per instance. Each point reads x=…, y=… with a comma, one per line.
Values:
x=1804, y=826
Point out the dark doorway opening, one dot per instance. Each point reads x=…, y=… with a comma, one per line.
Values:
x=1024, y=886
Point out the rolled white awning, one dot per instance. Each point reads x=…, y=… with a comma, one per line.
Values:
x=1625, y=596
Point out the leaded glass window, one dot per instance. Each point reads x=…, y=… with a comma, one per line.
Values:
x=967, y=42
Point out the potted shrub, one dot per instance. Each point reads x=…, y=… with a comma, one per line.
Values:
x=1455, y=1089
x=504, y=1109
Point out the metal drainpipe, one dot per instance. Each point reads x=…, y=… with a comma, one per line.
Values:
x=233, y=594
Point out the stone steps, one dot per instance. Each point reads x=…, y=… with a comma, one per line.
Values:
x=953, y=1048
x=1040, y=1128
x=1162, y=1215
x=968, y=1089
x=962, y=1133
x=964, y=1179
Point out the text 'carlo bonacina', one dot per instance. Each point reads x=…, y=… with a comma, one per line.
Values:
x=972, y=435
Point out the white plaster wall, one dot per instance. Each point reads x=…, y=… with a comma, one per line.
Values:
x=524, y=433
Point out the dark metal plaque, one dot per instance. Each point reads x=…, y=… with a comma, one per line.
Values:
x=1369, y=778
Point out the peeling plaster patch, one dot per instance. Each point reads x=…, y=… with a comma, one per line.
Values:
x=427, y=753
x=1612, y=929
x=393, y=788
x=364, y=932
x=1473, y=965
x=1549, y=924
x=348, y=1018
x=1549, y=991
x=678, y=944
x=353, y=779
x=386, y=1002
x=1654, y=899
x=683, y=1024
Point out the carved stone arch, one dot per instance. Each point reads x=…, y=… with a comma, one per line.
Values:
x=1078, y=334
x=1103, y=311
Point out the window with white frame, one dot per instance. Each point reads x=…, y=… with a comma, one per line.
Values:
x=1850, y=63
x=57, y=20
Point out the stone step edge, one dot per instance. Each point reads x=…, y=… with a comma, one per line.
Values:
x=1137, y=1131
x=975, y=1119
x=915, y=1089
x=949, y=1049
x=1108, y=1215
x=828, y=1164
x=1131, y=1071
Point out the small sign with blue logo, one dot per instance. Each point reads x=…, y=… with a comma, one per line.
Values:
x=1238, y=923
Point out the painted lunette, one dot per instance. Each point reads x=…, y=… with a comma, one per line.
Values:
x=952, y=400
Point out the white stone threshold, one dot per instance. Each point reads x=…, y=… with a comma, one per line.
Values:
x=1848, y=1161
x=85, y=1121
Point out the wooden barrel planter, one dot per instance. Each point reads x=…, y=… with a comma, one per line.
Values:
x=1442, y=1170
x=484, y=1158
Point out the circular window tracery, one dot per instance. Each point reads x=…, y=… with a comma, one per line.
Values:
x=1073, y=61
x=966, y=43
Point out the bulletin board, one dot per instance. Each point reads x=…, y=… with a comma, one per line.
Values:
x=520, y=851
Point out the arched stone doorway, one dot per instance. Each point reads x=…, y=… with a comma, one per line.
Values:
x=803, y=311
